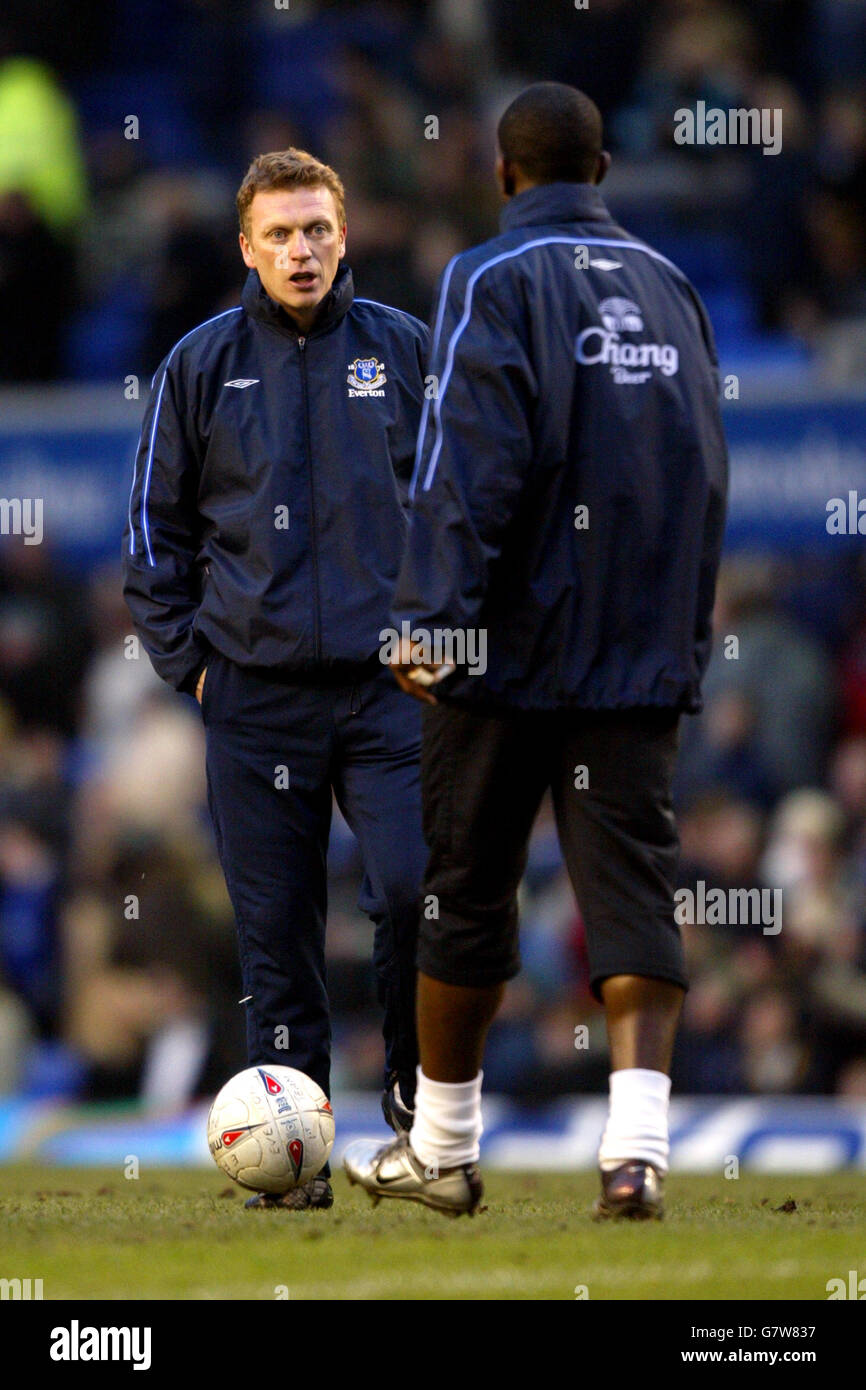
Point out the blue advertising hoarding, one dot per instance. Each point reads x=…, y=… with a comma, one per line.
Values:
x=789, y=461
x=74, y=450
x=790, y=458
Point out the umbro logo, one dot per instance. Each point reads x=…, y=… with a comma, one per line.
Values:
x=242, y=382
x=602, y=264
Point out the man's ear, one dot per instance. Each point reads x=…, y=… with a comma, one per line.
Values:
x=504, y=177
x=246, y=252
x=343, y=240
x=602, y=166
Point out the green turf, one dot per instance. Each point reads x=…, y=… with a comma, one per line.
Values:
x=185, y=1235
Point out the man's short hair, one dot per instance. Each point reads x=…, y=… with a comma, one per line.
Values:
x=288, y=169
x=553, y=133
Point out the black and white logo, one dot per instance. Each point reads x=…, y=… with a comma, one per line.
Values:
x=621, y=315
x=366, y=377
x=603, y=345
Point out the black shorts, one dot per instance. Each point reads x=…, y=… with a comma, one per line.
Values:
x=483, y=779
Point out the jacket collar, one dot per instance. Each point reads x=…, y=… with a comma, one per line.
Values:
x=550, y=203
x=333, y=307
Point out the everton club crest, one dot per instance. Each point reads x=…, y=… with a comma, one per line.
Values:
x=366, y=377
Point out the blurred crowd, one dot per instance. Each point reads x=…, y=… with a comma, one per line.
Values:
x=117, y=949
x=124, y=136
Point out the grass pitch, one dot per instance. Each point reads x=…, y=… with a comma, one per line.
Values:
x=89, y=1233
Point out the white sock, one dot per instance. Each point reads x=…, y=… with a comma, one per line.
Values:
x=637, y=1122
x=447, y=1128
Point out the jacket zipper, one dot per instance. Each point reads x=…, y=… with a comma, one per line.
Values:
x=317, y=600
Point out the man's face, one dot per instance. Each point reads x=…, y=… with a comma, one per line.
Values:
x=295, y=243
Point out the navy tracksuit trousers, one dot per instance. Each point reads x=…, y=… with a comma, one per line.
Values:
x=276, y=748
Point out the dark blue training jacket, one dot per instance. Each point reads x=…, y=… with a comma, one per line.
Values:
x=267, y=514
x=564, y=385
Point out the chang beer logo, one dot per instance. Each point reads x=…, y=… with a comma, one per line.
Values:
x=630, y=363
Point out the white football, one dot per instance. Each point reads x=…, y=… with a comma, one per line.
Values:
x=271, y=1128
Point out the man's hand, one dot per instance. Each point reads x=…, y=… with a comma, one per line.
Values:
x=417, y=677
x=408, y=679
x=200, y=686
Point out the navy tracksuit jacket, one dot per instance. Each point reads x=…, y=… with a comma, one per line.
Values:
x=570, y=482
x=266, y=526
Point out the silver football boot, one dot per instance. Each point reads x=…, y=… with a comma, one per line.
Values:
x=634, y=1191
x=394, y=1170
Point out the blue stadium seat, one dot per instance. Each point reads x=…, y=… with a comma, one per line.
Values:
x=106, y=333
x=167, y=132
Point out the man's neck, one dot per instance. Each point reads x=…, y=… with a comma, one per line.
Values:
x=304, y=319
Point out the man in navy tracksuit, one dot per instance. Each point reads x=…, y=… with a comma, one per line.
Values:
x=569, y=506
x=266, y=525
